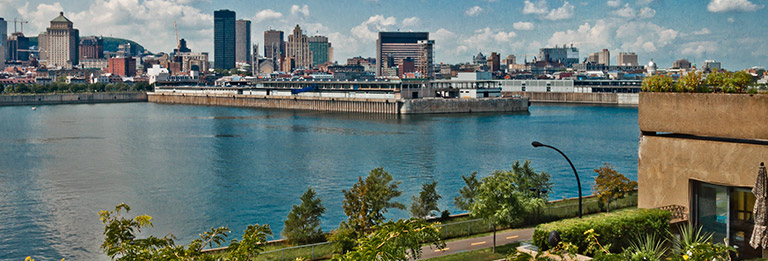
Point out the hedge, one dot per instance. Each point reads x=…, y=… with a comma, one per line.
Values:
x=617, y=229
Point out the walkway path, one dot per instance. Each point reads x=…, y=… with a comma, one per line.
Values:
x=463, y=245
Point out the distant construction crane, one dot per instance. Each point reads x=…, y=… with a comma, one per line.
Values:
x=176, y=29
x=20, y=22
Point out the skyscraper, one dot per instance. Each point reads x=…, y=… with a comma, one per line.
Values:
x=297, y=48
x=396, y=46
x=224, y=39
x=604, y=57
x=61, y=43
x=426, y=58
x=319, y=45
x=16, y=48
x=3, y=41
x=274, y=44
x=627, y=59
x=243, y=41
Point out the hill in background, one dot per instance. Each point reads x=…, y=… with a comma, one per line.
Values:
x=110, y=43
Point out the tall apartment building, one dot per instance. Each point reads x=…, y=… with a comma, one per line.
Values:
x=627, y=59
x=604, y=57
x=60, y=46
x=297, y=49
x=319, y=46
x=224, y=39
x=92, y=48
x=16, y=48
x=123, y=66
x=393, y=47
x=243, y=41
x=274, y=44
x=494, y=62
x=426, y=58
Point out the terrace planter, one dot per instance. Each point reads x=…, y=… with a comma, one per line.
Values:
x=739, y=116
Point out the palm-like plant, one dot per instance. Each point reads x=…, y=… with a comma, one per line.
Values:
x=649, y=248
x=690, y=236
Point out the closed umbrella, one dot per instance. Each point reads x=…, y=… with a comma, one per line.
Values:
x=759, y=234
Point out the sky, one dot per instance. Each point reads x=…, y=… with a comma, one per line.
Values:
x=730, y=31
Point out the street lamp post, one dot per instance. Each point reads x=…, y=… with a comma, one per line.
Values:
x=537, y=144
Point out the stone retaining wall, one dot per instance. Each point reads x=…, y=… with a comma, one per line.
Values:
x=72, y=98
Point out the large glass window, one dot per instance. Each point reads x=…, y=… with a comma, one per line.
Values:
x=727, y=213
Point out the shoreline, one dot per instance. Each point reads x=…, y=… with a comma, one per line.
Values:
x=72, y=98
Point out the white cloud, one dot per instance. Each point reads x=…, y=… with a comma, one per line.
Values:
x=540, y=7
x=295, y=9
x=731, y=20
x=266, y=14
x=614, y=3
x=563, y=12
x=626, y=11
x=473, y=11
x=586, y=36
x=523, y=26
x=698, y=48
x=368, y=29
x=717, y=6
x=645, y=36
x=703, y=31
x=646, y=12
x=411, y=21
x=644, y=2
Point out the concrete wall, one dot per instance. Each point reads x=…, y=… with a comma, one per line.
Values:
x=742, y=116
x=573, y=97
x=388, y=106
x=43, y=99
x=420, y=106
x=666, y=165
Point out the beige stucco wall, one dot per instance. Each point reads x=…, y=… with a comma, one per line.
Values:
x=666, y=165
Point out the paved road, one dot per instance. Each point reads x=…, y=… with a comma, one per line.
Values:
x=458, y=246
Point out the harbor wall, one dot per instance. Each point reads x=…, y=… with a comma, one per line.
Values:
x=72, y=98
x=578, y=97
x=384, y=106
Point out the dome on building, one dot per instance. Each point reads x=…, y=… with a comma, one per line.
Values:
x=651, y=65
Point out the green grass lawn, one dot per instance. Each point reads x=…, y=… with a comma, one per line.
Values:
x=481, y=254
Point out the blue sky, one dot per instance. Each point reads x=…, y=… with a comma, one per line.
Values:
x=730, y=31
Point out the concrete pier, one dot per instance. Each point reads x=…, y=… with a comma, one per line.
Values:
x=72, y=98
x=578, y=97
x=356, y=105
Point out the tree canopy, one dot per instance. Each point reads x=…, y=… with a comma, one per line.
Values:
x=467, y=193
x=426, y=202
x=611, y=185
x=303, y=222
x=396, y=241
x=369, y=199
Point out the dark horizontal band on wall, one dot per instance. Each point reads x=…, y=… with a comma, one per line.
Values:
x=707, y=138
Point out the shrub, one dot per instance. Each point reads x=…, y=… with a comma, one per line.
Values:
x=612, y=228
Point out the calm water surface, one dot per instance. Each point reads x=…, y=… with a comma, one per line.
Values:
x=194, y=167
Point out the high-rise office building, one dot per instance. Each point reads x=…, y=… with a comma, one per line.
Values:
x=297, y=48
x=565, y=55
x=494, y=62
x=182, y=48
x=627, y=59
x=319, y=45
x=60, y=45
x=243, y=41
x=92, y=48
x=17, y=49
x=274, y=44
x=393, y=47
x=426, y=58
x=4, y=50
x=604, y=57
x=224, y=39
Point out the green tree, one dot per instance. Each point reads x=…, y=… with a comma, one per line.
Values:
x=253, y=242
x=368, y=200
x=690, y=82
x=467, y=193
x=507, y=197
x=426, y=202
x=303, y=222
x=396, y=241
x=657, y=83
x=610, y=185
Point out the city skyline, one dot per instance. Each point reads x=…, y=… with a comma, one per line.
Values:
x=725, y=30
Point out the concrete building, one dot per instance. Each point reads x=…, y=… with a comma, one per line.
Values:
x=127, y=50
x=712, y=65
x=494, y=62
x=182, y=48
x=17, y=48
x=392, y=47
x=60, y=43
x=243, y=41
x=297, y=49
x=565, y=55
x=224, y=39
x=101, y=64
x=699, y=154
x=274, y=44
x=510, y=60
x=92, y=48
x=604, y=57
x=425, y=60
x=319, y=47
x=681, y=64
x=627, y=59
x=193, y=62
x=123, y=66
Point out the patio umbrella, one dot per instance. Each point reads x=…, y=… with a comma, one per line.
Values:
x=759, y=234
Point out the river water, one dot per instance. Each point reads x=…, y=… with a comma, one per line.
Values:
x=195, y=167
